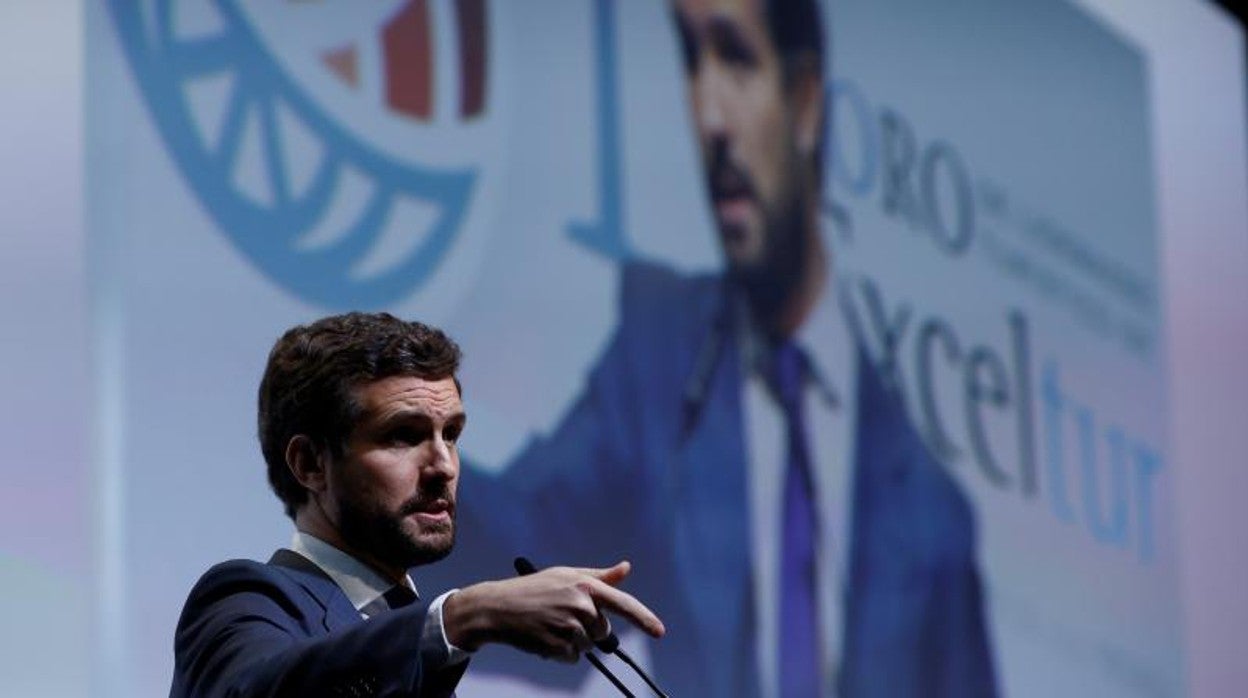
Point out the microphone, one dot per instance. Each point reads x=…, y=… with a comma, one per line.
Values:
x=609, y=644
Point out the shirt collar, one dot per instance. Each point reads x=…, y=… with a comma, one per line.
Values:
x=363, y=586
x=829, y=344
x=824, y=341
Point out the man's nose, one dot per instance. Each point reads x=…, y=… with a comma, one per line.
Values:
x=711, y=109
x=441, y=459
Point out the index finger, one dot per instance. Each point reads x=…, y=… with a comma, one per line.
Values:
x=626, y=605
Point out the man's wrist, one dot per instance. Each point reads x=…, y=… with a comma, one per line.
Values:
x=465, y=618
x=436, y=633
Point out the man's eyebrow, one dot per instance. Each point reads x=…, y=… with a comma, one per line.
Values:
x=728, y=38
x=406, y=415
x=688, y=44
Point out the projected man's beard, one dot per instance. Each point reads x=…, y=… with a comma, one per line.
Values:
x=394, y=538
x=767, y=261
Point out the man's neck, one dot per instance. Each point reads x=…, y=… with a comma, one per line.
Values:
x=782, y=316
x=311, y=519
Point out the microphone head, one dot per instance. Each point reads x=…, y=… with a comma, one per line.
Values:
x=608, y=644
x=523, y=566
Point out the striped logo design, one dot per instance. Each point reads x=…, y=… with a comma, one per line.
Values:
x=337, y=144
x=408, y=54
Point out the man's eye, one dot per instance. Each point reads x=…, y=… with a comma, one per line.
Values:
x=688, y=48
x=737, y=55
x=451, y=435
x=404, y=437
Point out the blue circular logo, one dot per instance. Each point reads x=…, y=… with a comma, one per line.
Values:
x=336, y=155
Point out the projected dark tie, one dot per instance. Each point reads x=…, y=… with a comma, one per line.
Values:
x=799, y=648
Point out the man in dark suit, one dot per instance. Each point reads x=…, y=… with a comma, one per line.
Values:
x=359, y=420
x=796, y=534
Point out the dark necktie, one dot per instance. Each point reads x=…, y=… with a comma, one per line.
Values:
x=799, y=649
x=399, y=596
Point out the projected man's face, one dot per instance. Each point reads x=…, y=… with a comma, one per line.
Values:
x=393, y=489
x=747, y=122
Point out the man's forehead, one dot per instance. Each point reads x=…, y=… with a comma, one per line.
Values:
x=409, y=394
x=743, y=11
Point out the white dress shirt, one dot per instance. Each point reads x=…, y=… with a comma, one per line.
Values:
x=830, y=411
x=365, y=589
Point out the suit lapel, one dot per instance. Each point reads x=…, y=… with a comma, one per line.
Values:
x=883, y=453
x=336, y=607
x=884, y=591
x=712, y=532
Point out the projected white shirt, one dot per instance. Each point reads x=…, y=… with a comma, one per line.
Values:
x=831, y=414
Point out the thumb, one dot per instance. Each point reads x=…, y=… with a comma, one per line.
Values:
x=611, y=575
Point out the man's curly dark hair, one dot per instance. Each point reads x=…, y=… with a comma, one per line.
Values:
x=313, y=369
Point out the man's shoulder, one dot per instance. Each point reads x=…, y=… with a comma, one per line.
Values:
x=235, y=572
x=247, y=583
x=652, y=272
x=662, y=303
x=648, y=286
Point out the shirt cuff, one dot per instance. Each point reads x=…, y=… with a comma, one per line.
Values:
x=435, y=634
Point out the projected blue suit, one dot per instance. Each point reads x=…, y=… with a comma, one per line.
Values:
x=635, y=470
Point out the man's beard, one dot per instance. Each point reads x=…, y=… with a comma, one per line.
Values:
x=380, y=533
x=772, y=278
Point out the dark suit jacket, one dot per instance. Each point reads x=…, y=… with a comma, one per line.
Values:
x=650, y=464
x=285, y=629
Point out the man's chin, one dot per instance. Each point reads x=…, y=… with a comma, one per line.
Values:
x=430, y=546
x=743, y=248
x=428, y=556
x=747, y=270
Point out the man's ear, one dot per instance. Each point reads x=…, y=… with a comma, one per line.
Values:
x=307, y=463
x=807, y=98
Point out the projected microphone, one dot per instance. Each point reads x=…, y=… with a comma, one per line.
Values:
x=609, y=644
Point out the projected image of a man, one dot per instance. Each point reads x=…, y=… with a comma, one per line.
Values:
x=736, y=436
